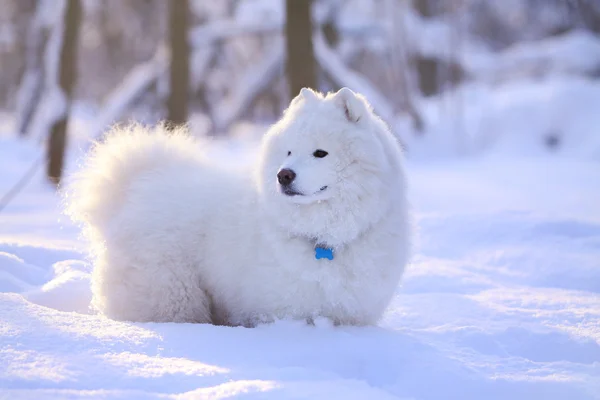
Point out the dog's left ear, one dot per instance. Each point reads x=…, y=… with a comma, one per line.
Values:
x=353, y=105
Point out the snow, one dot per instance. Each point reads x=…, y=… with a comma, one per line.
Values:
x=573, y=53
x=501, y=301
x=514, y=118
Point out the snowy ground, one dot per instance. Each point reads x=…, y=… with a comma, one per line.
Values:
x=501, y=302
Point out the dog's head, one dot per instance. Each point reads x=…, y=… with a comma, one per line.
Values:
x=330, y=167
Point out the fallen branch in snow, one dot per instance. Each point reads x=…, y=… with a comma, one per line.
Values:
x=254, y=82
x=344, y=76
x=135, y=84
x=201, y=60
x=226, y=29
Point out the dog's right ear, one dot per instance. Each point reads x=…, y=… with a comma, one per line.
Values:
x=307, y=94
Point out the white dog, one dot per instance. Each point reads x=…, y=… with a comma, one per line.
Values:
x=319, y=228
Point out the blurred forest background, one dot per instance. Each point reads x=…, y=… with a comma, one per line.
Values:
x=449, y=76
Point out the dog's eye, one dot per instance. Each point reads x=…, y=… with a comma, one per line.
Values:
x=289, y=153
x=320, y=153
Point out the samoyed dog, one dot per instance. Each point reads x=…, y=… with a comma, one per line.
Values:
x=318, y=228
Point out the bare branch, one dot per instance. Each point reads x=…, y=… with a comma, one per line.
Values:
x=254, y=82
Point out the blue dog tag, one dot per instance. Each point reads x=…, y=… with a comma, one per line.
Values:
x=322, y=252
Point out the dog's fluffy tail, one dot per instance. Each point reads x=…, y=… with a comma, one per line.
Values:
x=98, y=190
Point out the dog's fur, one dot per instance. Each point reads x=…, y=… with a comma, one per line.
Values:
x=177, y=238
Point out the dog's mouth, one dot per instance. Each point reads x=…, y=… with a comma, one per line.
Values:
x=291, y=192
x=288, y=191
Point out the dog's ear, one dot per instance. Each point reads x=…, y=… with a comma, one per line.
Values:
x=306, y=94
x=353, y=105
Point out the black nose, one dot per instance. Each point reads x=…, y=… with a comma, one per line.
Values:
x=286, y=176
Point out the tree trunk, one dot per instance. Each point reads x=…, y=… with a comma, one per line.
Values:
x=67, y=78
x=180, y=55
x=424, y=7
x=589, y=14
x=301, y=68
